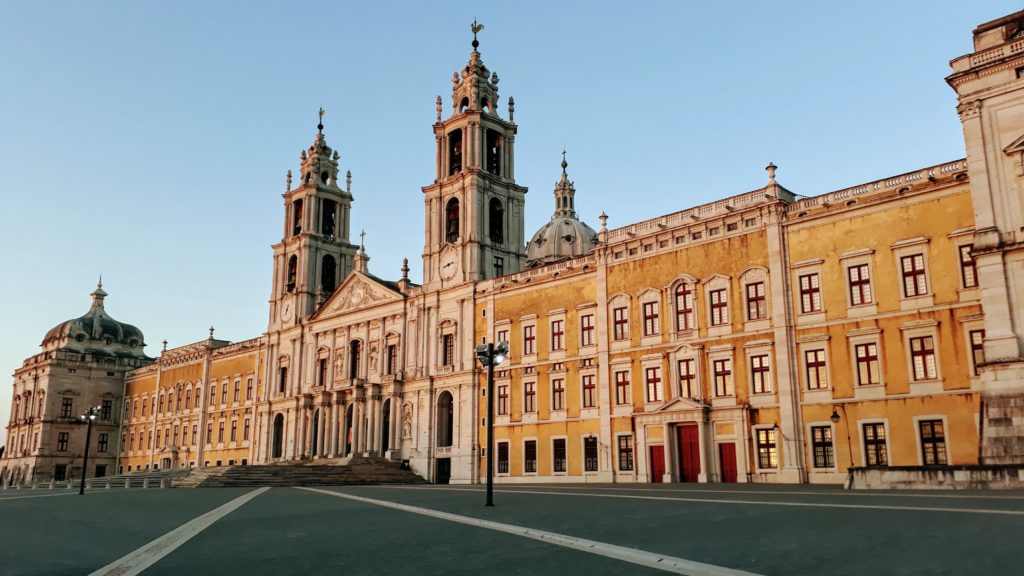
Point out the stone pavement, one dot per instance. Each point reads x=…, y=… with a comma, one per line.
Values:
x=572, y=529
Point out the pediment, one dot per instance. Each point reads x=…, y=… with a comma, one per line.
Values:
x=356, y=292
x=680, y=404
x=1015, y=146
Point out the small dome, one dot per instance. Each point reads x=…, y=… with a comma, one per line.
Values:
x=96, y=327
x=564, y=236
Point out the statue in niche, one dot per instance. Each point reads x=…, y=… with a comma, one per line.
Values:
x=373, y=359
x=407, y=421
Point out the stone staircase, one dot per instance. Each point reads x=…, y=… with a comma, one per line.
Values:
x=151, y=479
x=358, y=471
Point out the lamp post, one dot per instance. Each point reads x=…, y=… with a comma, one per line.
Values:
x=490, y=355
x=88, y=417
x=835, y=418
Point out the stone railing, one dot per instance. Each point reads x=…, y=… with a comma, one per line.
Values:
x=878, y=186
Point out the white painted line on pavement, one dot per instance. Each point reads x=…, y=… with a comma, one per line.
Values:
x=854, y=493
x=144, y=557
x=631, y=555
x=5, y=498
x=750, y=502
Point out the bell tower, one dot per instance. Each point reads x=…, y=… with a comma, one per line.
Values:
x=314, y=254
x=474, y=208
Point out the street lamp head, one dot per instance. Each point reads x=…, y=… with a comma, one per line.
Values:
x=500, y=352
x=489, y=356
x=834, y=417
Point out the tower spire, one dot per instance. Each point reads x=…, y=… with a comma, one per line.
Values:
x=565, y=194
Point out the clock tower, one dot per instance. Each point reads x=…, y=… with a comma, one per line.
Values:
x=314, y=255
x=474, y=208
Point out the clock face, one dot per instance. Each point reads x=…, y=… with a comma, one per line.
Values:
x=287, y=308
x=449, y=264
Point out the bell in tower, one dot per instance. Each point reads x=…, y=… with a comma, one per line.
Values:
x=474, y=208
x=315, y=254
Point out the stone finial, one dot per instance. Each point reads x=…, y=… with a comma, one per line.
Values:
x=348, y=181
x=771, y=168
x=438, y=107
x=494, y=78
x=405, y=268
x=288, y=181
x=302, y=155
x=604, y=221
x=99, y=283
x=455, y=78
x=511, y=108
x=211, y=332
x=165, y=346
x=336, y=156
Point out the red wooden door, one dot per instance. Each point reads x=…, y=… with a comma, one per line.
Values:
x=657, y=463
x=689, y=453
x=727, y=460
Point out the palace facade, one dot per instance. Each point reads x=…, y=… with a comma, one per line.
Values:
x=764, y=337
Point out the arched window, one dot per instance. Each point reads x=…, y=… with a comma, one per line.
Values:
x=464, y=104
x=278, y=446
x=293, y=268
x=354, y=351
x=451, y=220
x=496, y=221
x=297, y=214
x=493, y=152
x=455, y=152
x=445, y=419
x=328, y=273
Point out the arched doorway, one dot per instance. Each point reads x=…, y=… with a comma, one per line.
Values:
x=349, y=412
x=316, y=434
x=385, y=428
x=278, y=444
x=445, y=419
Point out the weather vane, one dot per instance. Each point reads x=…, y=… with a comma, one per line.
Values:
x=320, y=126
x=475, y=28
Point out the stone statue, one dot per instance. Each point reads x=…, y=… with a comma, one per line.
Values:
x=407, y=421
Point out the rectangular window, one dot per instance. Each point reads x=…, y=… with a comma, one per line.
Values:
x=622, y=387
x=767, y=450
x=499, y=266
x=620, y=321
x=175, y=441
x=977, y=338
x=914, y=283
x=238, y=386
x=757, y=306
x=817, y=375
x=558, y=335
x=502, y=400
x=220, y=432
x=684, y=307
x=62, y=441
x=502, y=457
x=875, y=453
x=248, y=389
x=559, y=455
x=933, y=442
x=245, y=430
x=392, y=361
x=590, y=454
x=209, y=433
x=529, y=340
x=558, y=394
x=65, y=407
x=195, y=434
x=968, y=269
x=224, y=394
x=719, y=307
x=653, y=377
x=821, y=443
x=867, y=364
x=587, y=330
x=859, y=279
x=759, y=374
x=722, y=369
x=810, y=293
x=448, y=350
x=687, y=378
x=107, y=408
x=213, y=397
x=922, y=358
x=626, y=453
x=652, y=324
x=529, y=397
x=530, y=456
x=502, y=336
x=588, y=391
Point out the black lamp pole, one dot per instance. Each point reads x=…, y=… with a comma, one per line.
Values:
x=490, y=425
x=88, y=416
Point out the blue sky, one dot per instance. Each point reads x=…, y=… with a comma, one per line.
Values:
x=148, y=141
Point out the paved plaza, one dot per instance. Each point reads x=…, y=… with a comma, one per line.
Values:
x=565, y=530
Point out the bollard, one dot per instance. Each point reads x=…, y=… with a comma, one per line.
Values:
x=53, y=483
x=127, y=482
x=108, y=484
x=145, y=482
x=32, y=486
x=71, y=484
x=162, y=484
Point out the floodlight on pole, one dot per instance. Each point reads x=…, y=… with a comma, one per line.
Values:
x=490, y=355
x=89, y=416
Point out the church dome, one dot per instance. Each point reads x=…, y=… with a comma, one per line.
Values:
x=96, y=327
x=565, y=236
